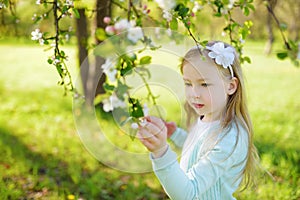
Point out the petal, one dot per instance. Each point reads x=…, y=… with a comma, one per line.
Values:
x=219, y=60
x=134, y=126
x=212, y=54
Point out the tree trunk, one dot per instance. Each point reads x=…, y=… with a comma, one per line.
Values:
x=103, y=8
x=90, y=71
x=82, y=37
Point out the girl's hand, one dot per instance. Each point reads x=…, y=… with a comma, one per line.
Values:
x=171, y=127
x=153, y=135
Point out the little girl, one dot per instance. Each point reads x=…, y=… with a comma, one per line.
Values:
x=218, y=153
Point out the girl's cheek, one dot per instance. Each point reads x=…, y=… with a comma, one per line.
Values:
x=188, y=92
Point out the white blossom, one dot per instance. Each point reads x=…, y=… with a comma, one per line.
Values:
x=38, y=2
x=166, y=4
x=135, y=34
x=69, y=3
x=67, y=36
x=36, y=34
x=196, y=7
x=34, y=17
x=112, y=102
x=123, y=24
x=134, y=125
x=224, y=11
x=167, y=15
x=145, y=110
x=56, y=61
x=107, y=106
x=242, y=41
x=169, y=32
x=231, y=4
x=2, y=5
x=223, y=56
x=41, y=41
x=109, y=70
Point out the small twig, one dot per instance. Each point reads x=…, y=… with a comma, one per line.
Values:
x=149, y=92
x=270, y=10
x=129, y=9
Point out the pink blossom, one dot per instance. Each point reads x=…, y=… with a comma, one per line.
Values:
x=110, y=30
x=106, y=20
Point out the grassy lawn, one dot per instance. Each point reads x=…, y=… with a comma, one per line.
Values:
x=43, y=157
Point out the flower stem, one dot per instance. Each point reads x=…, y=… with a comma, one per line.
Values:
x=150, y=93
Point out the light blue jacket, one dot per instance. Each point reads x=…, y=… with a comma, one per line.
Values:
x=214, y=176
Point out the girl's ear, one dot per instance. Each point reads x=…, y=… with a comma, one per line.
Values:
x=232, y=86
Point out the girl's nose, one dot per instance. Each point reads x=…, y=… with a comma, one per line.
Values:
x=196, y=92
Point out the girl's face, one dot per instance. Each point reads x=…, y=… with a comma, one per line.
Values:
x=205, y=89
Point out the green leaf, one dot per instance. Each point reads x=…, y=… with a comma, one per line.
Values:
x=107, y=87
x=145, y=60
x=59, y=70
x=182, y=10
x=251, y=6
x=246, y=11
x=50, y=61
x=99, y=98
x=76, y=13
x=282, y=55
x=174, y=24
x=135, y=109
x=100, y=34
x=247, y=59
x=121, y=90
x=283, y=26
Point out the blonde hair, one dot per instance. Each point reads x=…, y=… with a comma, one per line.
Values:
x=236, y=110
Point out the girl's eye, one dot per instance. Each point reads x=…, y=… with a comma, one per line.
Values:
x=187, y=84
x=204, y=84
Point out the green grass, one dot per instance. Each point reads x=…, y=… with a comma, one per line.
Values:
x=43, y=157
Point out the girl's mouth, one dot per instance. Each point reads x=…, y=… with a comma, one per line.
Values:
x=198, y=105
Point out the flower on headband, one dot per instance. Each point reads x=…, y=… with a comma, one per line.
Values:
x=223, y=55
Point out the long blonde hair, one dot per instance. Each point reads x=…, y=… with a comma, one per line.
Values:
x=236, y=110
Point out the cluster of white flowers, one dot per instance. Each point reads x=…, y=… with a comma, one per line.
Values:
x=228, y=7
x=69, y=3
x=109, y=70
x=196, y=7
x=142, y=121
x=112, y=102
x=37, y=36
x=223, y=56
x=134, y=34
x=2, y=5
x=166, y=4
x=56, y=61
x=167, y=15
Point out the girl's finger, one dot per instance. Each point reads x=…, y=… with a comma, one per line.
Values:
x=147, y=144
x=153, y=129
x=155, y=120
x=145, y=134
